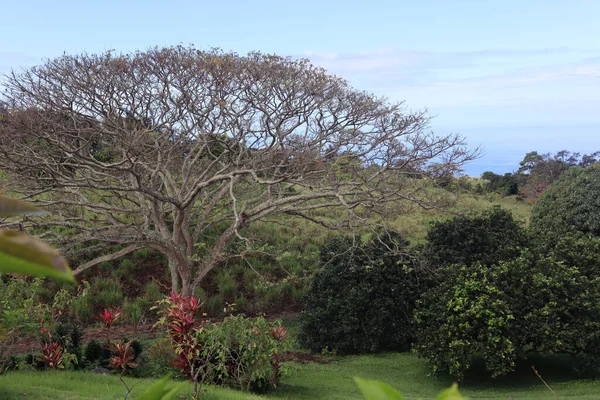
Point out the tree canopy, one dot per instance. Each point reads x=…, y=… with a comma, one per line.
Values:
x=571, y=205
x=162, y=148
x=487, y=238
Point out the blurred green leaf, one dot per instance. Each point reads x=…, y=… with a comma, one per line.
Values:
x=375, y=390
x=23, y=254
x=10, y=207
x=451, y=394
x=161, y=390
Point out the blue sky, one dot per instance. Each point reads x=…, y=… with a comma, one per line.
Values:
x=512, y=76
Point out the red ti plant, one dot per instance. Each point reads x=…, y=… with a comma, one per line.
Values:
x=109, y=316
x=278, y=334
x=177, y=314
x=52, y=352
x=122, y=360
x=123, y=356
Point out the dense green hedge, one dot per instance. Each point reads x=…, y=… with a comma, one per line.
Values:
x=362, y=297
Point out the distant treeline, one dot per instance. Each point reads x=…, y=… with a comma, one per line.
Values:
x=535, y=175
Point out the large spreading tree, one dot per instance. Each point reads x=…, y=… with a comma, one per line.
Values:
x=165, y=148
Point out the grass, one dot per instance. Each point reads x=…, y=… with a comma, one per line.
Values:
x=414, y=223
x=409, y=375
x=52, y=385
x=404, y=371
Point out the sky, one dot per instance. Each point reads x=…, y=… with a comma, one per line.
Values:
x=511, y=76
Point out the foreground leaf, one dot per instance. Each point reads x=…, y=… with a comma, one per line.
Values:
x=161, y=390
x=375, y=390
x=451, y=394
x=23, y=254
x=10, y=207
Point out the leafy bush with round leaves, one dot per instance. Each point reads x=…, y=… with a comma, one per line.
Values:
x=547, y=304
x=489, y=237
x=571, y=205
x=362, y=297
x=464, y=318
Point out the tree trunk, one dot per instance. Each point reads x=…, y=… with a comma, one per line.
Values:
x=174, y=275
x=179, y=267
x=186, y=288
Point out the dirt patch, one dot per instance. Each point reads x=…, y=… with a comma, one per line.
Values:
x=304, y=358
x=118, y=332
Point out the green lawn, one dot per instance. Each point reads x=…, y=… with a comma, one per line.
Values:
x=322, y=381
x=410, y=376
x=87, y=386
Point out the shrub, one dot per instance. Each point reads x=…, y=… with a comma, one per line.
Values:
x=250, y=349
x=142, y=253
x=105, y=293
x=214, y=305
x=362, y=298
x=123, y=357
x=487, y=238
x=241, y=352
x=127, y=265
x=465, y=317
x=133, y=311
x=69, y=338
x=137, y=348
x=226, y=284
x=571, y=205
x=156, y=361
x=52, y=355
x=548, y=304
x=82, y=311
x=93, y=352
x=152, y=292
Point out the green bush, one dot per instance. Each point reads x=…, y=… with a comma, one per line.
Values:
x=487, y=238
x=545, y=304
x=81, y=309
x=214, y=305
x=124, y=271
x=134, y=310
x=141, y=253
x=69, y=337
x=362, y=298
x=241, y=302
x=105, y=293
x=226, y=285
x=571, y=205
x=156, y=361
x=93, y=352
x=247, y=351
x=200, y=294
x=464, y=318
x=152, y=292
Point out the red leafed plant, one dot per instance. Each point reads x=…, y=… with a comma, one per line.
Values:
x=123, y=356
x=279, y=333
x=177, y=314
x=109, y=316
x=122, y=360
x=52, y=353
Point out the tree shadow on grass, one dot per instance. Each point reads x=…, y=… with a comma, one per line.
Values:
x=553, y=369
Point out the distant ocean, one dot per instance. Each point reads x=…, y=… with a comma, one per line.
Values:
x=505, y=146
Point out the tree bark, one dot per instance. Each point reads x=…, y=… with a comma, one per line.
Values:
x=175, y=281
